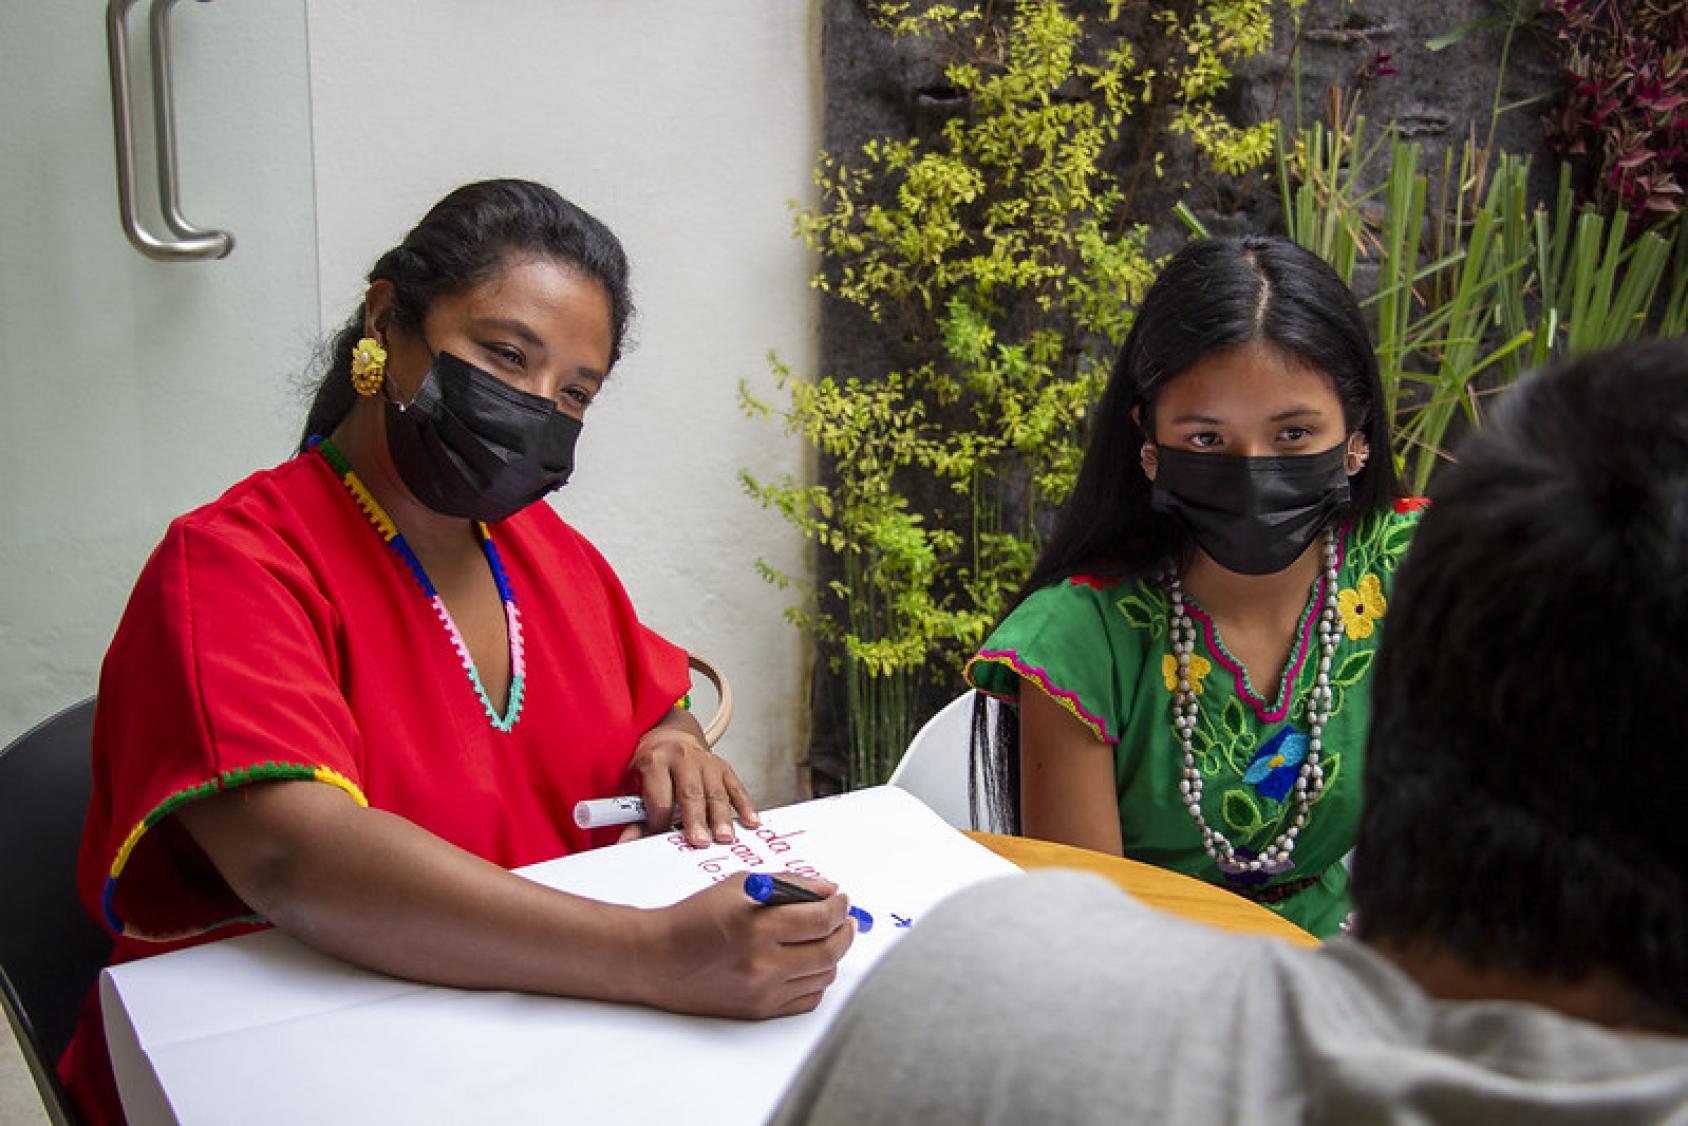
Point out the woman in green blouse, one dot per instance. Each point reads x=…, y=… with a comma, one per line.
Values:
x=1198, y=633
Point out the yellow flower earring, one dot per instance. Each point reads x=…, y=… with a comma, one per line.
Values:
x=369, y=366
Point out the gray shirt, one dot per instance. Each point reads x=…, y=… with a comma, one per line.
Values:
x=1055, y=997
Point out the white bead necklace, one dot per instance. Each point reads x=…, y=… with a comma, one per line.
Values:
x=1186, y=708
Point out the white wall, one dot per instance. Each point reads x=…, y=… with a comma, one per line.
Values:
x=686, y=127
x=132, y=390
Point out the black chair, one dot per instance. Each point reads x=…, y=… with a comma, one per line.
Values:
x=50, y=950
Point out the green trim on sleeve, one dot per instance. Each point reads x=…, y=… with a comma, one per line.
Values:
x=227, y=780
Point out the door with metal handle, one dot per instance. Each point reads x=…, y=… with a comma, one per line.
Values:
x=185, y=242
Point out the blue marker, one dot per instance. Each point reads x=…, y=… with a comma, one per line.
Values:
x=771, y=891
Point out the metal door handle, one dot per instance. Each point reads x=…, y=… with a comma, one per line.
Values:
x=189, y=242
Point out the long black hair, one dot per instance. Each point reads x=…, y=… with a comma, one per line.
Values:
x=464, y=240
x=1213, y=295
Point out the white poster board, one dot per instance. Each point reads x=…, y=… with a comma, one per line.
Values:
x=261, y=1029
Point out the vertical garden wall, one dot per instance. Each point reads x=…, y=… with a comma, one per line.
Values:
x=999, y=183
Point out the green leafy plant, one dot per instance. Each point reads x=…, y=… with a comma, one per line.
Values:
x=1479, y=287
x=1001, y=254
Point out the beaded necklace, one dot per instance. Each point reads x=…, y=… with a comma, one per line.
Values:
x=389, y=533
x=1310, y=779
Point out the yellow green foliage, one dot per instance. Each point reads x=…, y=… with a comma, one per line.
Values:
x=1003, y=251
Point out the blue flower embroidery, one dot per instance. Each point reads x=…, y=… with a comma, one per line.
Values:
x=1273, y=769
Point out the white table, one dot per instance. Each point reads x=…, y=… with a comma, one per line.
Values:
x=261, y=1029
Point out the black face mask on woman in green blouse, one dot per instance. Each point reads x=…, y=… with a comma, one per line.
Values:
x=1252, y=515
x=470, y=445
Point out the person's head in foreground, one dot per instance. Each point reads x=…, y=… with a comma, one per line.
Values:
x=1521, y=884
x=1527, y=755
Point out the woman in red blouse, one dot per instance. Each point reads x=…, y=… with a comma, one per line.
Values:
x=349, y=694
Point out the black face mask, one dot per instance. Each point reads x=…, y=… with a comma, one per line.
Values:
x=470, y=445
x=1253, y=515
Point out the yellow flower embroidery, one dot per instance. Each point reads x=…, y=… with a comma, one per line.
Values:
x=1200, y=666
x=1361, y=608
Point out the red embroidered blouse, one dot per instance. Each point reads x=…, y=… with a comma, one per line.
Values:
x=274, y=634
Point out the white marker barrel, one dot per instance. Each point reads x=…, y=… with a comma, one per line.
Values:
x=602, y=812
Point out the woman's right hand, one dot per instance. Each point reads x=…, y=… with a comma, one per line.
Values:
x=719, y=953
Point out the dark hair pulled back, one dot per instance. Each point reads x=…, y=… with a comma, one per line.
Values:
x=463, y=241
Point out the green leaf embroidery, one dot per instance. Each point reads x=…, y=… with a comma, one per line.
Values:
x=1201, y=746
x=1241, y=813
x=1331, y=765
x=1240, y=750
x=1142, y=614
x=1398, y=539
x=1335, y=700
x=1235, y=723
x=1353, y=669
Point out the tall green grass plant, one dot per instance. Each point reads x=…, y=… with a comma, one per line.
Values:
x=1481, y=286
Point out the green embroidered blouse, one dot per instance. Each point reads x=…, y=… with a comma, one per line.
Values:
x=1099, y=648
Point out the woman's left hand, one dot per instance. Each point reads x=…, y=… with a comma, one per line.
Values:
x=681, y=781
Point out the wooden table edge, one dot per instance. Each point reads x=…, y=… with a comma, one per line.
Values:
x=1164, y=890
